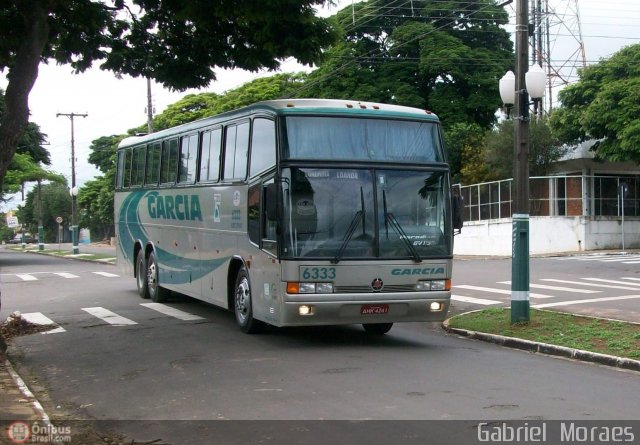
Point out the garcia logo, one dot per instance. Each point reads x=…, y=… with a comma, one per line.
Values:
x=180, y=207
x=418, y=271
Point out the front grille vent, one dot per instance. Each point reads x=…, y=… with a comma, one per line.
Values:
x=365, y=289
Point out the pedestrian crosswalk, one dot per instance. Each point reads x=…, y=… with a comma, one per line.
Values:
x=110, y=318
x=622, y=257
x=38, y=276
x=554, y=288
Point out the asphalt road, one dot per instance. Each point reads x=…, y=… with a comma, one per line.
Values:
x=196, y=365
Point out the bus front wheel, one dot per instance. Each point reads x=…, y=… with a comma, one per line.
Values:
x=141, y=275
x=243, y=307
x=377, y=328
x=157, y=293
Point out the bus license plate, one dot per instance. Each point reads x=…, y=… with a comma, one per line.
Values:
x=374, y=309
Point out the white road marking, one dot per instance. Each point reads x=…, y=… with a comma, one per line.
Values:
x=498, y=291
x=108, y=316
x=621, y=259
x=631, y=278
x=481, y=301
x=106, y=274
x=41, y=319
x=601, y=280
x=560, y=288
x=580, y=283
x=591, y=300
x=26, y=277
x=66, y=275
x=171, y=311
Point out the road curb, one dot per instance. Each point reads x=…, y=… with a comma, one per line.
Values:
x=32, y=401
x=546, y=348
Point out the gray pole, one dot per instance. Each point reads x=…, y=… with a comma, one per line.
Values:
x=520, y=217
x=74, y=210
x=149, y=107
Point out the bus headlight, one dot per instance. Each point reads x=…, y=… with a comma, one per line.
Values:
x=436, y=306
x=435, y=285
x=309, y=288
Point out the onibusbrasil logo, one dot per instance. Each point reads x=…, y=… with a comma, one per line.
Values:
x=21, y=432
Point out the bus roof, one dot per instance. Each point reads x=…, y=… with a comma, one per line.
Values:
x=292, y=107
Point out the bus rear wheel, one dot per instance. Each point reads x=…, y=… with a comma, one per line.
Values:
x=157, y=293
x=377, y=328
x=141, y=275
x=243, y=307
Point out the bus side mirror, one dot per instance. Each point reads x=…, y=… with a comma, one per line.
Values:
x=456, y=207
x=271, y=202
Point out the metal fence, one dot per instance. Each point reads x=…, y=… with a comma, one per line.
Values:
x=589, y=196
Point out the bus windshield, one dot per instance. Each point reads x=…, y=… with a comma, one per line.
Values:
x=341, y=138
x=337, y=213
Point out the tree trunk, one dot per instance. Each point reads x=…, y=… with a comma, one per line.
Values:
x=22, y=76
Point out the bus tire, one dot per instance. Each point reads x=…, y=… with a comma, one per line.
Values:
x=156, y=292
x=141, y=275
x=377, y=328
x=242, y=305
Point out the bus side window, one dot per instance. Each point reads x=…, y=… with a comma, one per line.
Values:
x=210, y=155
x=137, y=167
x=236, y=151
x=263, y=146
x=153, y=164
x=169, y=167
x=188, y=157
x=126, y=180
x=120, y=171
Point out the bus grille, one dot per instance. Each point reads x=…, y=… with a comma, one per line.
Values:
x=367, y=289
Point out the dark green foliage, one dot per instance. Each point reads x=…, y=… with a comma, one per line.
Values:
x=604, y=105
x=443, y=56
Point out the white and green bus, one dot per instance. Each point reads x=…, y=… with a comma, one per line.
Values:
x=293, y=213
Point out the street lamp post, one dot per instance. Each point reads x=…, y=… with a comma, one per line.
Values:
x=515, y=89
x=40, y=223
x=74, y=189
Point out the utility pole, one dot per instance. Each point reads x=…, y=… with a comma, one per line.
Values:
x=74, y=190
x=149, y=107
x=520, y=211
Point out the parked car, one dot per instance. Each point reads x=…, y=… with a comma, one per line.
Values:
x=28, y=238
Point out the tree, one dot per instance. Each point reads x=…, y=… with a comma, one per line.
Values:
x=544, y=149
x=198, y=106
x=604, y=105
x=103, y=152
x=445, y=56
x=465, y=147
x=55, y=201
x=95, y=199
x=176, y=43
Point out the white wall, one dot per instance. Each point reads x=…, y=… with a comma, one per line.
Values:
x=547, y=235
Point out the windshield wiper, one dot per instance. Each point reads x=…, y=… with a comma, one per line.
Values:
x=360, y=214
x=389, y=219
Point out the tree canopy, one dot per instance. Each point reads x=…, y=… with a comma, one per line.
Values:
x=446, y=56
x=604, y=105
x=176, y=43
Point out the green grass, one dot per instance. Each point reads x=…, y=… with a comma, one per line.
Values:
x=64, y=253
x=557, y=328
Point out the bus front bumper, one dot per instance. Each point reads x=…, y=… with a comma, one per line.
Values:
x=353, y=309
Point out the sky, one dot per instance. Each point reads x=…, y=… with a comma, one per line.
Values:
x=115, y=105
